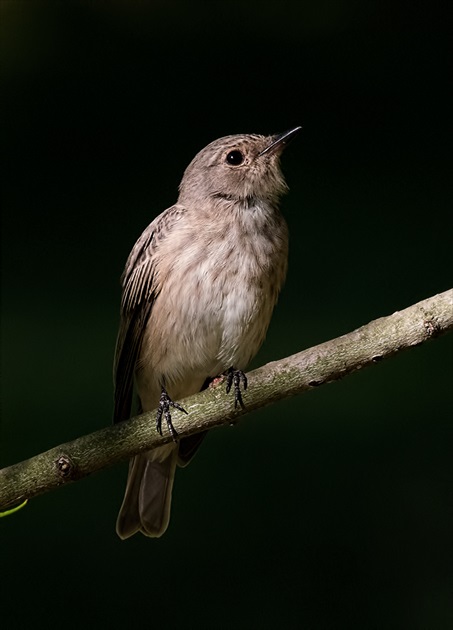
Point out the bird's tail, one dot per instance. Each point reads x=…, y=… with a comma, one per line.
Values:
x=147, y=500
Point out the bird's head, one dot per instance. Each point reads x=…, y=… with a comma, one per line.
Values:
x=238, y=168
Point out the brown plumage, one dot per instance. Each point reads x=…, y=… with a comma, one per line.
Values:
x=199, y=289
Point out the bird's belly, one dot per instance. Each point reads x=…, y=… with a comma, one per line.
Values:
x=203, y=329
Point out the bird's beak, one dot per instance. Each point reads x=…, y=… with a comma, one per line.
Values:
x=280, y=141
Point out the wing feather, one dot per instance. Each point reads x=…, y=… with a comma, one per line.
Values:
x=138, y=297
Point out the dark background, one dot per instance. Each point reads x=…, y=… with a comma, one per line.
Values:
x=331, y=510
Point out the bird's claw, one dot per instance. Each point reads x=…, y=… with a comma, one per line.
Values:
x=236, y=378
x=165, y=403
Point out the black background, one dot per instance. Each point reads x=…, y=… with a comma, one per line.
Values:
x=328, y=511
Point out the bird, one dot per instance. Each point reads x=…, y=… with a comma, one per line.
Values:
x=198, y=291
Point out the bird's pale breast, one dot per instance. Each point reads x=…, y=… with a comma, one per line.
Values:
x=217, y=291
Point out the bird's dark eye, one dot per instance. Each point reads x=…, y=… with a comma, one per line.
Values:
x=235, y=158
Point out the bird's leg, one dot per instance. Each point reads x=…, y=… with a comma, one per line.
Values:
x=165, y=403
x=236, y=378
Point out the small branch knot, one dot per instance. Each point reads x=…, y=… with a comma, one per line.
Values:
x=432, y=327
x=65, y=467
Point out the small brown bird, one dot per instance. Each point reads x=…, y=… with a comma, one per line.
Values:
x=198, y=292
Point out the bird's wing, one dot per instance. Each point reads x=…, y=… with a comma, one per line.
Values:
x=137, y=300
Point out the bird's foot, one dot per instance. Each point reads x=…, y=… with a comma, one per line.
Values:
x=236, y=378
x=165, y=403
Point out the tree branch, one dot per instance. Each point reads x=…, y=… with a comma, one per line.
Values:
x=301, y=372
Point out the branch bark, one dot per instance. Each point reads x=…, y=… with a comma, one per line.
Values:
x=293, y=375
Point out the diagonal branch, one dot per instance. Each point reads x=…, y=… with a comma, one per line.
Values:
x=280, y=379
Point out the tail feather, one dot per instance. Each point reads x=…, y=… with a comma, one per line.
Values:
x=147, y=500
